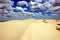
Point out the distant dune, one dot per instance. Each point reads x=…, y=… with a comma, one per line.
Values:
x=30, y=29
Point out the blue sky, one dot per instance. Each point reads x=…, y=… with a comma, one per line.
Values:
x=17, y=16
x=15, y=1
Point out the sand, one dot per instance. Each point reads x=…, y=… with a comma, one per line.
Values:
x=29, y=29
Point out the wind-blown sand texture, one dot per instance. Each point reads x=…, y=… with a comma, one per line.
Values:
x=29, y=29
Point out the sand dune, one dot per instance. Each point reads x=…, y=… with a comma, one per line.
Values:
x=29, y=29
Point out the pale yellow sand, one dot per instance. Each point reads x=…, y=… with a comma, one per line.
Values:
x=29, y=29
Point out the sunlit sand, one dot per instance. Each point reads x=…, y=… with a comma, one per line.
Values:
x=30, y=29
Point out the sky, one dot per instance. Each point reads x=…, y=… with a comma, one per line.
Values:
x=15, y=13
x=43, y=12
x=21, y=0
x=15, y=1
x=36, y=11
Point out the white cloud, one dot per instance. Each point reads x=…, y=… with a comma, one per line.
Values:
x=38, y=0
x=2, y=6
x=0, y=10
x=5, y=0
x=56, y=8
x=22, y=12
x=53, y=14
x=32, y=14
x=55, y=1
x=47, y=4
x=51, y=1
x=34, y=8
x=32, y=3
x=40, y=13
x=35, y=5
x=8, y=7
x=11, y=3
x=7, y=4
x=22, y=3
x=42, y=7
x=25, y=8
x=20, y=8
x=3, y=11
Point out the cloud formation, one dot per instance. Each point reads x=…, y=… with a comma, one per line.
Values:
x=7, y=12
x=20, y=3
